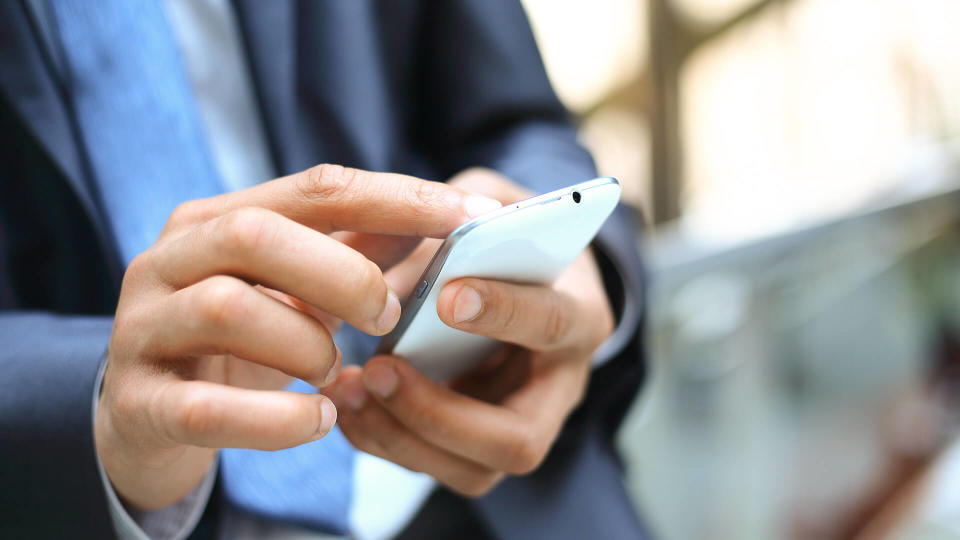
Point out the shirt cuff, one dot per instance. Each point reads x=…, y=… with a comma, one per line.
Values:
x=174, y=522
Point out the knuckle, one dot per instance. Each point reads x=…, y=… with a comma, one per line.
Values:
x=185, y=213
x=157, y=416
x=327, y=181
x=526, y=453
x=128, y=339
x=124, y=406
x=198, y=416
x=222, y=301
x=478, y=484
x=424, y=196
x=247, y=229
x=138, y=268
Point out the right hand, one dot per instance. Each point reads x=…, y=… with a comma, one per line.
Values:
x=240, y=293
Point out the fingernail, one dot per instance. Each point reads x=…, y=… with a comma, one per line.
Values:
x=335, y=370
x=391, y=313
x=474, y=205
x=328, y=416
x=467, y=304
x=381, y=379
x=354, y=394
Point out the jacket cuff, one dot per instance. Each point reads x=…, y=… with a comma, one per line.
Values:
x=625, y=302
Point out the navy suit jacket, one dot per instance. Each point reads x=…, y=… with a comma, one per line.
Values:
x=421, y=87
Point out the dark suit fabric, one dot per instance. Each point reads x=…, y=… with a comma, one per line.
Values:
x=424, y=88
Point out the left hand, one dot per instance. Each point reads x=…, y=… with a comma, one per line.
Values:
x=504, y=417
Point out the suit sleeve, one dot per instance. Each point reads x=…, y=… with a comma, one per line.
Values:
x=488, y=102
x=50, y=485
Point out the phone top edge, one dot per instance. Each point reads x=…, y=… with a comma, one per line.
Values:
x=413, y=302
x=531, y=201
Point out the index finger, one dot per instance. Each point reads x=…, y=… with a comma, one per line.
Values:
x=334, y=198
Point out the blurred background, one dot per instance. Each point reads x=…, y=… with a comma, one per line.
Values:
x=797, y=166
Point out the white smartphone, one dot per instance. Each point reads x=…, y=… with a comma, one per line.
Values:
x=530, y=241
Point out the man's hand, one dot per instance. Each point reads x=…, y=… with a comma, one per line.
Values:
x=240, y=293
x=503, y=418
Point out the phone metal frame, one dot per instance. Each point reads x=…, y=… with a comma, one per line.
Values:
x=411, y=305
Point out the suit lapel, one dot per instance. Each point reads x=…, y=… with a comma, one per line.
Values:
x=28, y=83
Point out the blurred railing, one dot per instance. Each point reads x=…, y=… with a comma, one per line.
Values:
x=797, y=383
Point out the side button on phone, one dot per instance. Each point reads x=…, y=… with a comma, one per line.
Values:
x=422, y=286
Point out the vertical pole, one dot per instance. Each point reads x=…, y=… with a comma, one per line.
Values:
x=666, y=45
